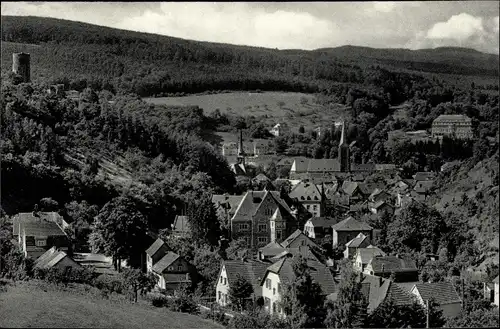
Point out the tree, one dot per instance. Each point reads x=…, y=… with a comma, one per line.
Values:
x=203, y=221
x=480, y=318
x=48, y=204
x=120, y=231
x=350, y=308
x=80, y=216
x=136, y=281
x=239, y=291
x=280, y=144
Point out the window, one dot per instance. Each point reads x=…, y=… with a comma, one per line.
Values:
x=315, y=207
x=170, y=268
x=262, y=239
x=243, y=226
x=274, y=291
x=225, y=281
x=220, y=295
x=268, y=283
x=272, y=224
x=262, y=227
x=274, y=307
x=221, y=279
x=41, y=243
x=279, y=288
x=179, y=268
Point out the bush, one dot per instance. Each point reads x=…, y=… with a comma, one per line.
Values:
x=160, y=301
x=184, y=304
x=110, y=283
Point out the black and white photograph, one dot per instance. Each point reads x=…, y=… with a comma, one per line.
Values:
x=249, y=165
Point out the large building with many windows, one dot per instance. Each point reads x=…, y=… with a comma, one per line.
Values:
x=452, y=125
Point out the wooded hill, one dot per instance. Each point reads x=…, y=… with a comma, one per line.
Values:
x=80, y=54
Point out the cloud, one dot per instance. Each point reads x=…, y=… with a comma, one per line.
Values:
x=235, y=23
x=462, y=30
x=458, y=27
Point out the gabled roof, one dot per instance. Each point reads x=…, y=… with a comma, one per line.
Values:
x=378, y=289
x=319, y=273
x=272, y=249
x=322, y=221
x=350, y=187
x=181, y=224
x=261, y=177
x=378, y=193
x=378, y=204
x=305, y=191
x=392, y=264
x=294, y=236
x=25, y=217
x=157, y=246
x=442, y=292
x=300, y=164
x=351, y=224
x=323, y=165
x=304, y=251
x=165, y=262
x=366, y=254
x=51, y=258
x=357, y=241
x=253, y=271
x=239, y=169
x=423, y=186
x=41, y=229
x=230, y=201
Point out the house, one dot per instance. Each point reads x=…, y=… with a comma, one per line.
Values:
x=261, y=178
x=347, y=230
x=355, y=191
x=54, y=258
x=496, y=293
x=180, y=227
x=404, y=269
x=379, y=195
x=38, y=232
x=319, y=227
x=34, y=217
x=422, y=189
x=323, y=166
x=226, y=205
x=172, y=271
x=154, y=253
x=376, y=290
x=279, y=129
x=299, y=166
x=363, y=256
x=443, y=293
x=452, y=125
x=424, y=176
x=251, y=270
x=380, y=207
x=309, y=196
x=262, y=217
x=281, y=273
x=296, y=240
x=304, y=251
x=360, y=241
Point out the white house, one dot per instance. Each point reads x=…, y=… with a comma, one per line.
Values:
x=279, y=129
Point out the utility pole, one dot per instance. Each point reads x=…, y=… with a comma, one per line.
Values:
x=427, y=315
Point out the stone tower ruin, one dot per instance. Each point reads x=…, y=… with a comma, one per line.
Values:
x=21, y=65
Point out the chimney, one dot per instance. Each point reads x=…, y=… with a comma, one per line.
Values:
x=383, y=268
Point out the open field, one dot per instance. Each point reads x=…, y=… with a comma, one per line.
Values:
x=244, y=103
x=29, y=305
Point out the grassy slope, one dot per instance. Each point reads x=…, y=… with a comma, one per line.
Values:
x=27, y=305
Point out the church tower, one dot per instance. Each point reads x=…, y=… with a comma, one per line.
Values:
x=241, y=150
x=344, y=157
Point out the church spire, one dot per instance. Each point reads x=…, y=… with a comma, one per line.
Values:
x=344, y=157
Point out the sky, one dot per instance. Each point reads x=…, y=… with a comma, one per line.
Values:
x=293, y=25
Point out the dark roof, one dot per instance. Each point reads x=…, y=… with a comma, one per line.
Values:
x=305, y=191
x=230, y=201
x=25, y=217
x=295, y=235
x=261, y=177
x=252, y=201
x=322, y=221
x=441, y=292
x=253, y=271
x=350, y=187
x=351, y=224
x=42, y=229
x=158, y=245
x=392, y=264
x=301, y=164
x=272, y=249
x=165, y=262
x=52, y=257
x=378, y=204
x=323, y=165
x=319, y=273
x=377, y=290
x=363, y=167
x=181, y=224
x=304, y=251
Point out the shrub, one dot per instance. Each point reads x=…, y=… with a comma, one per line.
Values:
x=110, y=283
x=159, y=301
x=184, y=304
